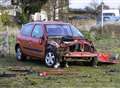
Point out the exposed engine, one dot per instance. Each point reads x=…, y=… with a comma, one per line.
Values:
x=78, y=45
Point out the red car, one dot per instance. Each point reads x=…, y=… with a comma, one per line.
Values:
x=54, y=42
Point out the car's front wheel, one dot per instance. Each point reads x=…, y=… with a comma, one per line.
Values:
x=19, y=54
x=50, y=58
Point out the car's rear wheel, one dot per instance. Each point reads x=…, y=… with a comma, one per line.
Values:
x=50, y=58
x=19, y=54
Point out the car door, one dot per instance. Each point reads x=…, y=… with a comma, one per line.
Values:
x=38, y=41
x=26, y=38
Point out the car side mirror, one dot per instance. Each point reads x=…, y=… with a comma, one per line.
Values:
x=43, y=37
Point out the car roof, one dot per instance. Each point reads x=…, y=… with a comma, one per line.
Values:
x=48, y=22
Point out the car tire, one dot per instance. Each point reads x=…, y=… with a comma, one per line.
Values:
x=94, y=62
x=19, y=54
x=50, y=58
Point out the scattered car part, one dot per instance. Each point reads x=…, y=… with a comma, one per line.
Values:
x=4, y=74
x=108, y=58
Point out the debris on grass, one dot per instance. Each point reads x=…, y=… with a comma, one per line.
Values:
x=23, y=71
x=6, y=74
x=20, y=69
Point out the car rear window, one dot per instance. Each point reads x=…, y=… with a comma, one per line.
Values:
x=58, y=30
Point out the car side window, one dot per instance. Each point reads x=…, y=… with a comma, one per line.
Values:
x=27, y=29
x=37, y=32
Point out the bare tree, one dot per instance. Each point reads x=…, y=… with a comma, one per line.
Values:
x=99, y=8
x=56, y=9
x=94, y=5
x=119, y=8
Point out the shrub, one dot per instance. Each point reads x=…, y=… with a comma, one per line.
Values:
x=5, y=18
x=88, y=35
x=23, y=18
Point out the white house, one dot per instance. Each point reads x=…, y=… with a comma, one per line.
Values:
x=111, y=12
x=42, y=16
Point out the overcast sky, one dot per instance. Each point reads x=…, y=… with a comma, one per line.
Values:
x=76, y=4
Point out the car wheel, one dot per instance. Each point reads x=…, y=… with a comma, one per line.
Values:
x=50, y=58
x=19, y=54
x=94, y=62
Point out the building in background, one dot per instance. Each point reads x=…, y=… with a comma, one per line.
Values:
x=109, y=15
x=5, y=2
x=111, y=12
x=6, y=6
x=40, y=16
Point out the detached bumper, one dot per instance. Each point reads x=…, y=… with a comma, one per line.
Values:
x=108, y=58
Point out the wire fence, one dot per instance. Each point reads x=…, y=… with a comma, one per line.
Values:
x=7, y=42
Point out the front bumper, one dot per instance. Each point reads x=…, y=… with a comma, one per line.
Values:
x=79, y=56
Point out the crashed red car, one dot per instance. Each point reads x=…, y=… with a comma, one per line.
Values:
x=54, y=42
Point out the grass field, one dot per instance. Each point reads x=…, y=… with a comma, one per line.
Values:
x=78, y=75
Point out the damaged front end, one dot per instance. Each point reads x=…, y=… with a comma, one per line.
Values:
x=74, y=49
x=79, y=49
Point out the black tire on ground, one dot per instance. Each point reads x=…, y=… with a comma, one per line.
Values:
x=19, y=54
x=50, y=58
x=94, y=62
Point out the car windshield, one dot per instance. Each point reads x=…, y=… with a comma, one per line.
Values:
x=76, y=32
x=58, y=30
x=63, y=30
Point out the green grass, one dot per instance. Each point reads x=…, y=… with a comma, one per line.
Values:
x=86, y=77
x=108, y=45
x=77, y=76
